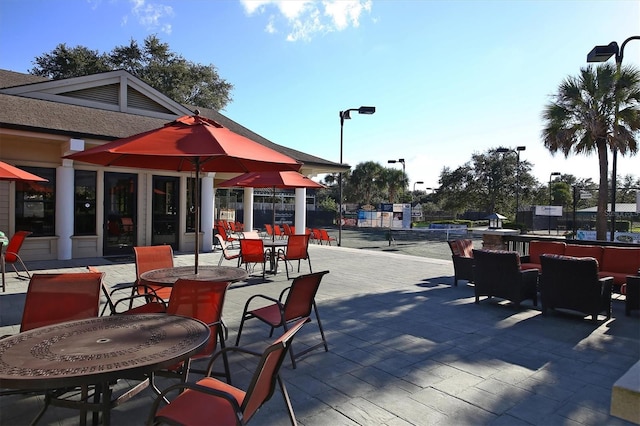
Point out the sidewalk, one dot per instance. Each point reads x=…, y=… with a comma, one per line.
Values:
x=406, y=347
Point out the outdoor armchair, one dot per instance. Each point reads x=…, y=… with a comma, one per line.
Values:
x=149, y=258
x=324, y=236
x=572, y=283
x=462, y=256
x=211, y=401
x=497, y=273
x=226, y=254
x=252, y=252
x=202, y=300
x=297, y=249
x=295, y=302
x=11, y=255
x=226, y=237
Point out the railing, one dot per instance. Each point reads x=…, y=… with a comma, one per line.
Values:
x=520, y=243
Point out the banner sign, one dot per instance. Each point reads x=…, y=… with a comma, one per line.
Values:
x=548, y=210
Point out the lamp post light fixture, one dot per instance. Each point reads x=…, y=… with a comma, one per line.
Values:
x=602, y=54
x=517, y=151
x=549, y=212
x=404, y=175
x=345, y=115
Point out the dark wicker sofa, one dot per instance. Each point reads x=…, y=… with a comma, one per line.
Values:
x=572, y=283
x=497, y=273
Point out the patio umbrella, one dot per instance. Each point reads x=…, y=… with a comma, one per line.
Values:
x=190, y=143
x=9, y=172
x=271, y=179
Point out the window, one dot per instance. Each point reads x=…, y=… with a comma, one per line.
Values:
x=35, y=203
x=84, y=203
x=191, y=205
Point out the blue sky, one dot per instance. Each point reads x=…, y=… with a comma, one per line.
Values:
x=448, y=78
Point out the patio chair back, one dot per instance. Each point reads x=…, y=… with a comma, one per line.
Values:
x=286, y=229
x=11, y=254
x=324, y=236
x=149, y=258
x=269, y=229
x=202, y=300
x=277, y=231
x=252, y=251
x=211, y=401
x=462, y=256
x=297, y=249
x=56, y=298
x=223, y=233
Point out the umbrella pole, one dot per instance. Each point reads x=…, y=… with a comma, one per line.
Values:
x=197, y=218
x=273, y=215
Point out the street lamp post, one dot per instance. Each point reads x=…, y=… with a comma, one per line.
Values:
x=602, y=54
x=517, y=151
x=549, y=212
x=344, y=115
x=404, y=175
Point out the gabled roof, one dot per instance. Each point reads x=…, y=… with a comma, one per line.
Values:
x=109, y=106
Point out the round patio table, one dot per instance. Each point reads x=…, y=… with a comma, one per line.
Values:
x=168, y=276
x=97, y=351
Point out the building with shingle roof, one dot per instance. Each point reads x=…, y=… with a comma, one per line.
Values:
x=42, y=120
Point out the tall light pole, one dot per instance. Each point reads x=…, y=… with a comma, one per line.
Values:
x=602, y=54
x=549, y=212
x=413, y=196
x=404, y=174
x=517, y=151
x=344, y=115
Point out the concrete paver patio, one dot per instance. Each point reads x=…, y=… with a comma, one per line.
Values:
x=406, y=347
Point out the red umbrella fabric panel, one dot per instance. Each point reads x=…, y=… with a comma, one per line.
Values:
x=282, y=180
x=9, y=172
x=183, y=142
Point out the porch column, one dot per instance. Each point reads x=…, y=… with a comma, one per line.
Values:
x=64, y=209
x=206, y=212
x=301, y=210
x=247, y=204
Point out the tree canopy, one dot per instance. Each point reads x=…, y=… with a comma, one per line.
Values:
x=154, y=63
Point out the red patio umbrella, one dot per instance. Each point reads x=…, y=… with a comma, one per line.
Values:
x=190, y=143
x=270, y=179
x=9, y=172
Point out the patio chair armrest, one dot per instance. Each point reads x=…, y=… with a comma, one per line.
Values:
x=283, y=293
x=261, y=296
x=529, y=273
x=130, y=299
x=196, y=388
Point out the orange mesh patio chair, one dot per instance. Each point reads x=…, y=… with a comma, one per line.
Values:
x=226, y=237
x=149, y=258
x=226, y=254
x=278, y=232
x=56, y=298
x=300, y=300
x=11, y=255
x=201, y=300
x=211, y=401
x=297, y=249
x=268, y=229
x=286, y=229
x=324, y=236
x=317, y=236
x=252, y=252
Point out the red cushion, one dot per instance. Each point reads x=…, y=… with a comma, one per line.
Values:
x=623, y=260
x=576, y=250
x=536, y=248
x=530, y=265
x=465, y=247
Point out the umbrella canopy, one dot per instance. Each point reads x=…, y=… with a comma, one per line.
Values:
x=9, y=172
x=282, y=179
x=186, y=142
x=190, y=143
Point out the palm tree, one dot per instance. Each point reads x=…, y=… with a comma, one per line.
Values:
x=581, y=118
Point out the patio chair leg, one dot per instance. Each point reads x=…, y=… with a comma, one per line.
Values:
x=287, y=401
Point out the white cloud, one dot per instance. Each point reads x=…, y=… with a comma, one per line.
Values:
x=152, y=15
x=305, y=18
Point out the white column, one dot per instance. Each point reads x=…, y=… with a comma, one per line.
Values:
x=248, y=209
x=206, y=213
x=64, y=209
x=301, y=210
